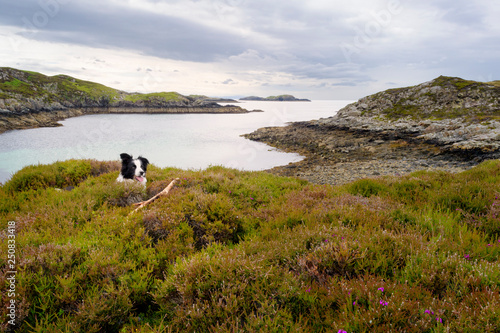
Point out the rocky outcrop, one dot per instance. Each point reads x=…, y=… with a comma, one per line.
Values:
x=339, y=156
x=450, y=112
x=30, y=99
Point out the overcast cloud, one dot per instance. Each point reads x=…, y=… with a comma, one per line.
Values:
x=313, y=49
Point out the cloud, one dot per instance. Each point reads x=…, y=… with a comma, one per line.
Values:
x=358, y=47
x=109, y=25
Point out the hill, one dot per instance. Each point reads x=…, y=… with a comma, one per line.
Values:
x=213, y=99
x=30, y=99
x=280, y=98
x=231, y=251
x=449, y=111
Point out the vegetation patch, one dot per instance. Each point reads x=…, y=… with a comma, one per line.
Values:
x=456, y=82
x=228, y=250
x=401, y=111
x=163, y=96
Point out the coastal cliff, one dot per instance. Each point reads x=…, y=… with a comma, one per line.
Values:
x=30, y=99
x=448, y=124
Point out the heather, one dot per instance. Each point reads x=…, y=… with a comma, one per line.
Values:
x=235, y=251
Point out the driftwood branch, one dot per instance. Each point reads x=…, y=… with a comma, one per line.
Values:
x=162, y=193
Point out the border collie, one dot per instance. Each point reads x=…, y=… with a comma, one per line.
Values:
x=133, y=169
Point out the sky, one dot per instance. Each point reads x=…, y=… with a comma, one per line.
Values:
x=316, y=49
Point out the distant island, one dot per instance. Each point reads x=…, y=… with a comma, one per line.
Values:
x=30, y=99
x=213, y=99
x=280, y=98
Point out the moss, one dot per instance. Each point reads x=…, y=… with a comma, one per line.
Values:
x=401, y=111
x=17, y=86
x=449, y=113
x=456, y=82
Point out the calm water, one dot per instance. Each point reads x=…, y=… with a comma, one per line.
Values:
x=188, y=141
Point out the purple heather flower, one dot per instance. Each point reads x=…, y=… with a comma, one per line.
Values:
x=308, y=289
x=354, y=303
x=439, y=320
x=382, y=302
x=467, y=256
x=381, y=289
x=342, y=331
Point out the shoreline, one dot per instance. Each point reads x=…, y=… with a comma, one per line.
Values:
x=39, y=119
x=336, y=155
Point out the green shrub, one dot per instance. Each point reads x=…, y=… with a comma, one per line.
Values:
x=59, y=174
x=366, y=187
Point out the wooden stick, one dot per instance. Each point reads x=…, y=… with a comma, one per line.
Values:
x=162, y=193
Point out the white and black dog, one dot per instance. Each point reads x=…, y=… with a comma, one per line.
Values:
x=133, y=169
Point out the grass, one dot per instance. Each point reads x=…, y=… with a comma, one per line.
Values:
x=163, y=96
x=17, y=87
x=92, y=89
x=23, y=85
x=459, y=83
x=238, y=251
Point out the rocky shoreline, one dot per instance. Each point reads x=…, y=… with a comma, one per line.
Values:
x=336, y=155
x=445, y=124
x=50, y=119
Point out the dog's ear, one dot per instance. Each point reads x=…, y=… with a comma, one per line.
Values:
x=144, y=161
x=125, y=157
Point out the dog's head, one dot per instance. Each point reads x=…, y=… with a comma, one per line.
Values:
x=134, y=168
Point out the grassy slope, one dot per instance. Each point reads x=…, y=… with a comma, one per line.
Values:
x=61, y=88
x=38, y=85
x=230, y=250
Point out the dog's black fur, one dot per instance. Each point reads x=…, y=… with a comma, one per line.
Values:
x=133, y=169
